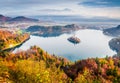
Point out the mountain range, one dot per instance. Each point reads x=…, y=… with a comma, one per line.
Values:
x=17, y=19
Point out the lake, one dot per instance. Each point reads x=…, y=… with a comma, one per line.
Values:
x=93, y=44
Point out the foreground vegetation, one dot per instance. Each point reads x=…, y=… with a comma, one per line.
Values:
x=32, y=66
x=10, y=40
x=37, y=66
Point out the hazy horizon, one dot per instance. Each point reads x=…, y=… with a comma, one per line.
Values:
x=78, y=10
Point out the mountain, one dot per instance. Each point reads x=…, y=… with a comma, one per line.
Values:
x=17, y=19
x=50, y=31
x=115, y=31
x=4, y=18
x=22, y=19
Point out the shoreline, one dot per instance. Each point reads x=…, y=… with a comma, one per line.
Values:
x=16, y=45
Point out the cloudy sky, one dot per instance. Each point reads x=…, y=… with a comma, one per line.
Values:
x=85, y=8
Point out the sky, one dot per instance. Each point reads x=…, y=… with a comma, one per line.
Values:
x=83, y=8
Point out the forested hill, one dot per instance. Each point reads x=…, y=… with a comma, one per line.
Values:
x=48, y=31
x=17, y=19
x=115, y=31
x=37, y=66
x=10, y=39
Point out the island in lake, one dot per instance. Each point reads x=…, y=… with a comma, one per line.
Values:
x=36, y=65
x=74, y=40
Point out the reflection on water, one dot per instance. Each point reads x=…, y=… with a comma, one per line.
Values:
x=93, y=44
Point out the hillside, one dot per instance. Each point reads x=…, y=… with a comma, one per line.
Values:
x=36, y=65
x=4, y=18
x=115, y=44
x=10, y=40
x=115, y=31
x=47, y=31
x=17, y=19
x=23, y=19
x=95, y=70
x=32, y=66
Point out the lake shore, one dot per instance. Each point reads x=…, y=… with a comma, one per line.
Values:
x=55, y=45
x=16, y=45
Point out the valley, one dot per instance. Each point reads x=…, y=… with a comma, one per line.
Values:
x=43, y=48
x=59, y=41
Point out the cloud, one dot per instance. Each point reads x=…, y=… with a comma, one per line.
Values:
x=79, y=19
x=86, y=8
x=101, y=3
x=56, y=10
x=25, y=3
